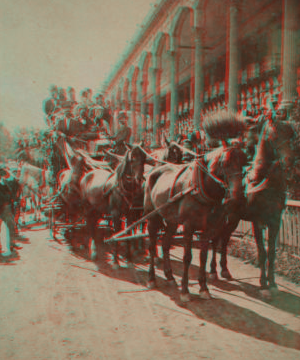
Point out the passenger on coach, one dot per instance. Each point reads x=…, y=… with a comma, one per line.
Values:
x=71, y=98
x=124, y=133
x=85, y=120
x=89, y=93
x=102, y=127
x=83, y=103
x=50, y=104
x=100, y=100
x=62, y=98
x=84, y=100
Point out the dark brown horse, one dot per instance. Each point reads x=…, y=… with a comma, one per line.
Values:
x=211, y=187
x=109, y=193
x=266, y=185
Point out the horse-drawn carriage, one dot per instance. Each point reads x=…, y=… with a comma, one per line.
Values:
x=206, y=195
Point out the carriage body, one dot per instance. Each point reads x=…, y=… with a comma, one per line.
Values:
x=96, y=148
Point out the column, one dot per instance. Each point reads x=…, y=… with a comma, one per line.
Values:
x=132, y=104
x=142, y=105
x=232, y=55
x=289, y=69
x=173, y=56
x=155, y=87
x=199, y=79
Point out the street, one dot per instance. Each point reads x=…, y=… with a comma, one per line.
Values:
x=58, y=305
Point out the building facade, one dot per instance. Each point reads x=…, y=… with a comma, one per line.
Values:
x=192, y=58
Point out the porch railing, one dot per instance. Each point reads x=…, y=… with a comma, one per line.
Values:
x=289, y=236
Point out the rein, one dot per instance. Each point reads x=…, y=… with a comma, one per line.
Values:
x=186, y=150
x=126, y=194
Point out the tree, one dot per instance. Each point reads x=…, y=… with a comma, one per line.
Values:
x=6, y=143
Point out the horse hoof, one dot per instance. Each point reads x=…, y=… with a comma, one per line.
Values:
x=274, y=290
x=213, y=276
x=226, y=275
x=93, y=255
x=185, y=298
x=6, y=253
x=115, y=266
x=266, y=294
x=151, y=285
x=205, y=295
x=17, y=246
x=172, y=283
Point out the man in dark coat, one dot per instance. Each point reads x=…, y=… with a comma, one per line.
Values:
x=50, y=104
x=123, y=135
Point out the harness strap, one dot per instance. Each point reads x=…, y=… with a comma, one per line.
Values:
x=107, y=192
x=198, y=179
x=178, y=196
x=171, y=194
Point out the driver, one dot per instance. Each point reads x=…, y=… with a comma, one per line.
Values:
x=124, y=133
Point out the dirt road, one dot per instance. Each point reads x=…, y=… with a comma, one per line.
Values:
x=56, y=305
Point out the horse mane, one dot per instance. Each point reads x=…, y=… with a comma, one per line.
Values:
x=264, y=153
x=224, y=124
x=218, y=157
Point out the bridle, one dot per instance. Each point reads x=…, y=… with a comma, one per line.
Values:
x=127, y=179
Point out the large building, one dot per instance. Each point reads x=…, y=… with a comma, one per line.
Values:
x=194, y=57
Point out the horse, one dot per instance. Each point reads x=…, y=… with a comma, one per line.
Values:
x=170, y=153
x=265, y=190
x=104, y=192
x=197, y=196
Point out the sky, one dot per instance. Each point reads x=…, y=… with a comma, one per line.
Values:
x=63, y=42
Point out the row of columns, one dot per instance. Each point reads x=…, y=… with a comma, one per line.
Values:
x=139, y=88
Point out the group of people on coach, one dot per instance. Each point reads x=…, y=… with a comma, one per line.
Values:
x=92, y=114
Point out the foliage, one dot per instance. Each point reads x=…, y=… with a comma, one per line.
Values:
x=6, y=143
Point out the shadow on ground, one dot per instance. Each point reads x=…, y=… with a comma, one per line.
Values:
x=220, y=312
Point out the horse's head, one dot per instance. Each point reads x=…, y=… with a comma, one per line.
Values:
x=133, y=166
x=173, y=154
x=227, y=166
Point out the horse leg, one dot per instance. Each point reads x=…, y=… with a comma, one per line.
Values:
x=225, y=273
x=166, y=245
x=117, y=228
x=129, y=262
x=262, y=255
x=204, y=293
x=187, y=258
x=91, y=223
x=153, y=227
x=213, y=276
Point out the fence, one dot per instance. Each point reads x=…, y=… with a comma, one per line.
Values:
x=289, y=236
